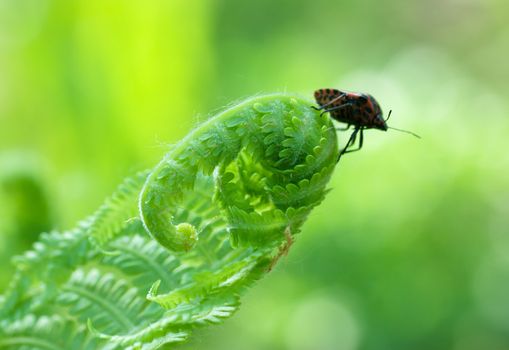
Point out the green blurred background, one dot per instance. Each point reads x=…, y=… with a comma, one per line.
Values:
x=409, y=250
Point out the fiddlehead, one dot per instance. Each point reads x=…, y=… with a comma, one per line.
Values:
x=219, y=206
x=273, y=156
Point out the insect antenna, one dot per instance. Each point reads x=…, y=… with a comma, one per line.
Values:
x=388, y=116
x=408, y=132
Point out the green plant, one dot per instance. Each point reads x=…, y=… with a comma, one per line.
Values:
x=25, y=207
x=214, y=216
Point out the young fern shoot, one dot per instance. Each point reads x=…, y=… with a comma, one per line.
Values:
x=214, y=216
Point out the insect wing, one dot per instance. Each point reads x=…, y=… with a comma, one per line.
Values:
x=326, y=97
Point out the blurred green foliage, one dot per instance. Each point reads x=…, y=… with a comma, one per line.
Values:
x=25, y=209
x=409, y=251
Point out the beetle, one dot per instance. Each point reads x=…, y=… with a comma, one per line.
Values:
x=355, y=109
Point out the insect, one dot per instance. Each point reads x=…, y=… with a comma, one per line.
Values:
x=359, y=110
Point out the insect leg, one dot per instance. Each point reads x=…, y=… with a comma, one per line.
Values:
x=335, y=108
x=344, y=129
x=330, y=102
x=350, y=142
x=361, y=141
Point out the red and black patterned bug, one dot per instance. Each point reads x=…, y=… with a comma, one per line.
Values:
x=359, y=110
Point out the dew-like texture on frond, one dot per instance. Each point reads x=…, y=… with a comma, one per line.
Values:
x=175, y=247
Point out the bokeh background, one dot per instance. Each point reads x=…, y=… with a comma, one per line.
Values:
x=409, y=250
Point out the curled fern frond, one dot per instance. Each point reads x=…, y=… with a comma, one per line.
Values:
x=215, y=215
x=289, y=145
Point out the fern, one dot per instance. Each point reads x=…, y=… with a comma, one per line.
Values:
x=214, y=216
x=115, y=213
x=45, y=332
